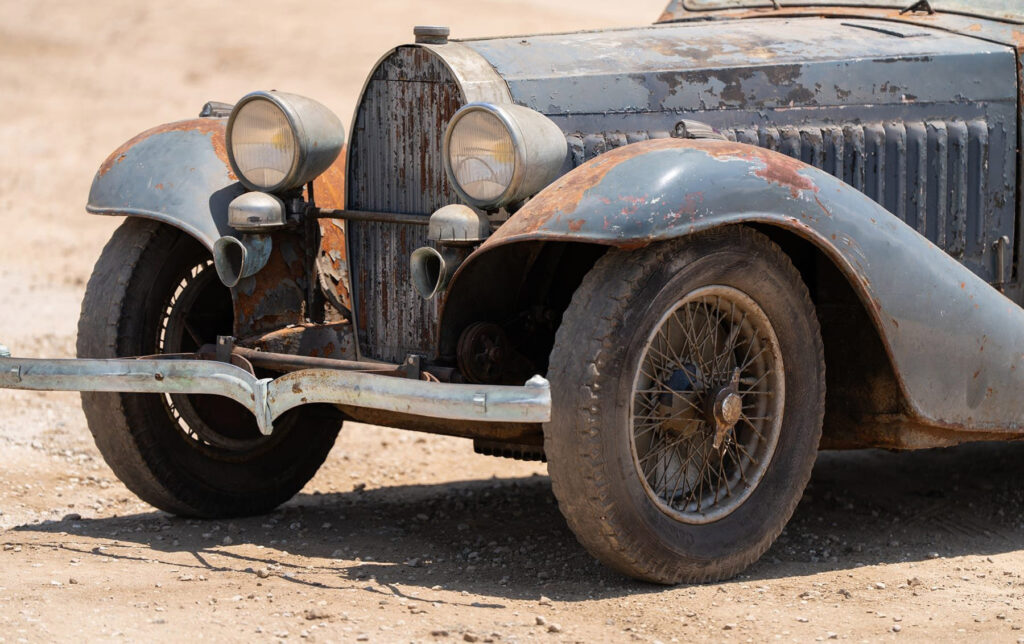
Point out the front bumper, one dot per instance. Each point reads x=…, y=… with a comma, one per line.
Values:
x=268, y=398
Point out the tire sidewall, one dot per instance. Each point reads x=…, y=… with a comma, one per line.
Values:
x=736, y=539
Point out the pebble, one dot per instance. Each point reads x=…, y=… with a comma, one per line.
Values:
x=541, y=621
x=227, y=541
x=262, y=573
x=554, y=628
x=470, y=637
x=544, y=601
x=896, y=628
x=880, y=585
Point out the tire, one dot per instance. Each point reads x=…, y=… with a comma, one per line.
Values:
x=640, y=436
x=154, y=290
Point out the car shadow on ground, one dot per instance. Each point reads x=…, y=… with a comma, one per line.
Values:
x=505, y=538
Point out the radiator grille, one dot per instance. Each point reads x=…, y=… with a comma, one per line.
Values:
x=934, y=175
x=395, y=165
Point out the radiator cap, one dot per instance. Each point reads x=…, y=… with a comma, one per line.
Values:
x=431, y=34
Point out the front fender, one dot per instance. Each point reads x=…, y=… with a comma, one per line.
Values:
x=955, y=343
x=177, y=173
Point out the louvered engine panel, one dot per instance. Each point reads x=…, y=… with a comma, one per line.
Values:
x=395, y=165
x=934, y=175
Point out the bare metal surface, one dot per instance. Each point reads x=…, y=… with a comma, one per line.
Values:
x=268, y=399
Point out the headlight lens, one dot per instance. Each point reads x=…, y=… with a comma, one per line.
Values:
x=482, y=156
x=497, y=155
x=278, y=142
x=262, y=144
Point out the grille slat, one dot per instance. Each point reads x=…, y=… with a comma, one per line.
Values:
x=395, y=165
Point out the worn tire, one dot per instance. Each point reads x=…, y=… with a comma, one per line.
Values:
x=140, y=439
x=589, y=441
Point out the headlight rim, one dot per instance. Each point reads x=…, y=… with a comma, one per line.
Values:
x=507, y=195
x=296, y=130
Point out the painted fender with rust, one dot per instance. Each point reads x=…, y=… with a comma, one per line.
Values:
x=176, y=173
x=179, y=174
x=956, y=344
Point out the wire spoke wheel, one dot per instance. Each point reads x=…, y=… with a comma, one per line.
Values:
x=707, y=404
x=688, y=393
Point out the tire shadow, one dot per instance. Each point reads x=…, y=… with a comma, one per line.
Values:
x=504, y=538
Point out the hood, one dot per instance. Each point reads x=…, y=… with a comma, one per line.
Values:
x=752, y=64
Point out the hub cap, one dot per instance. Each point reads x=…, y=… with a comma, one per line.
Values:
x=707, y=404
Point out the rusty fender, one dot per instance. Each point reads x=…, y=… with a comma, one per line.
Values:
x=179, y=174
x=176, y=173
x=955, y=343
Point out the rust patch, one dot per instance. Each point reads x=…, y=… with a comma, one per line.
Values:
x=778, y=168
x=329, y=187
x=275, y=296
x=576, y=224
x=212, y=128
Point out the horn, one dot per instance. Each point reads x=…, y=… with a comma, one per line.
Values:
x=236, y=260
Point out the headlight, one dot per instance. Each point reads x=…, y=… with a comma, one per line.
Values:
x=497, y=155
x=277, y=141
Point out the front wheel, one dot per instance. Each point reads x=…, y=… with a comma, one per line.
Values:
x=155, y=290
x=688, y=385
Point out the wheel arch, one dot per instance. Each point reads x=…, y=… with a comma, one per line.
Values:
x=942, y=357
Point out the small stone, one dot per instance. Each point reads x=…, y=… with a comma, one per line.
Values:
x=832, y=636
x=896, y=628
x=554, y=628
x=544, y=601
x=802, y=619
x=880, y=585
x=541, y=621
x=439, y=633
x=313, y=614
x=470, y=637
x=72, y=581
x=73, y=516
x=186, y=578
x=728, y=627
x=362, y=637
x=914, y=581
x=227, y=541
x=262, y=573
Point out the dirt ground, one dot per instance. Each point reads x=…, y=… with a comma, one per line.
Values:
x=401, y=536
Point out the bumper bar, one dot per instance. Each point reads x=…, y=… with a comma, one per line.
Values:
x=268, y=398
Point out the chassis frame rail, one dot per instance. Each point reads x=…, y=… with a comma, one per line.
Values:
x=268, y=398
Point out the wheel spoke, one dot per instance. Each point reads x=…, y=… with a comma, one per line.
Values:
x=709, y=336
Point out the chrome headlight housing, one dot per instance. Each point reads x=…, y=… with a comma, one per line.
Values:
x=278, y=142
x=496, y=155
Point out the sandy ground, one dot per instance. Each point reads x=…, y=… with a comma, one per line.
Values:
x=400, y=536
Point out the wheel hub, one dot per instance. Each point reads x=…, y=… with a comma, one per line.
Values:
x=726, y=409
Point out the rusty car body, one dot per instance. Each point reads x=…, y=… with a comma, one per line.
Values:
x=672, y=260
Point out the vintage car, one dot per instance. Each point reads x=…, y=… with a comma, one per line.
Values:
x=674, y=261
